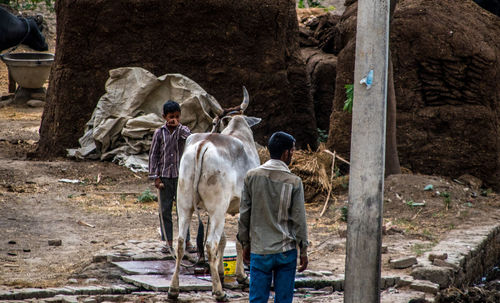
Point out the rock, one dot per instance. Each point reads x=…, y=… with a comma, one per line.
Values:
x=435, y=274
x=91, y=281
x=335, y=246
x=72, y=281
x=69, y=299
x=404, y=262
x=384, y=249
x=55, y=242
x=471, y=181
x=328, y=289
x=443, y=263
x=437, y=255
x=100, y=257
x=38, y=96
x=389, y=281
x=6, y=97
x=35, y=103
x=5, y=103
x=404, y=281
x=425, y=286
x=342, y=232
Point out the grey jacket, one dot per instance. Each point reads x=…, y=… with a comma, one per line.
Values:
x=272, y=211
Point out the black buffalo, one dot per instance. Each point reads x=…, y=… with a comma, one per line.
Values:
x=490, y=5
x=18, y=30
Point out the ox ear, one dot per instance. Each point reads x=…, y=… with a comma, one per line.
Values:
x=39, y=19
x=252, y=120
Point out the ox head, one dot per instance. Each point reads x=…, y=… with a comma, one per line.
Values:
x=220, y=122
x=35, y=38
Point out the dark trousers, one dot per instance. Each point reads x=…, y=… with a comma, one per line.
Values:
x=167, y=196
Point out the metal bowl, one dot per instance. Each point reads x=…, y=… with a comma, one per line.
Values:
x=29, y=70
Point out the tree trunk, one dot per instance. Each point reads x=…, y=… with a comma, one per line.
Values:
x=391, y=148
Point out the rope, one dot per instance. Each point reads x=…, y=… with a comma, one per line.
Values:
x=204, y=244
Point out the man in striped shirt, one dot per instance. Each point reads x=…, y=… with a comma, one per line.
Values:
x=164, y=158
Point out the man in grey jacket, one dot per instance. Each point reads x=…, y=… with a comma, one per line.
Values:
x=273, y=224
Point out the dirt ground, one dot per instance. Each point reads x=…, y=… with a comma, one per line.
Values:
x=37, y=207
x=102, y=209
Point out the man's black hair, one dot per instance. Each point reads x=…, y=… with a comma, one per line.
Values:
x=278, y=143
x=171, y=107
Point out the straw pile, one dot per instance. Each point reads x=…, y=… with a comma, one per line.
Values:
x=314, y=167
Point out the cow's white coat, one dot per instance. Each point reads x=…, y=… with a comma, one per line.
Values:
x=211, y=176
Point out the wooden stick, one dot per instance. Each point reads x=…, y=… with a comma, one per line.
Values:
x=331, y=185
x=86, y=224
x=337, y=156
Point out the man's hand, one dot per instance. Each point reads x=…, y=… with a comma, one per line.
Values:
x=159, y=184
x=246, y=255
x=303, y=263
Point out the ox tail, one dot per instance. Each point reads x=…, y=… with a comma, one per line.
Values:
x=200, y=239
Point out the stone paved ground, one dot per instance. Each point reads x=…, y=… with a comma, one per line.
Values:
x=137, y=272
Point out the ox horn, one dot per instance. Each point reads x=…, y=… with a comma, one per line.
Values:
x=246, y=100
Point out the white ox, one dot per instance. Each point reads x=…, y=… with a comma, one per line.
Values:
x=211, y=175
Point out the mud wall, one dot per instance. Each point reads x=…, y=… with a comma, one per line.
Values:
x=220, y=44
x=447, y=82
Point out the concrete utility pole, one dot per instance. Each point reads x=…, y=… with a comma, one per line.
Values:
x=366, y=181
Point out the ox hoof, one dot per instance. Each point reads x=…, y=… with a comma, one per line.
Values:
x=221, y=297
x=173, y=294
x=243, y=280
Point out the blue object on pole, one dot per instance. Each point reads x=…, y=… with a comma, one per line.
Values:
x=368, y=80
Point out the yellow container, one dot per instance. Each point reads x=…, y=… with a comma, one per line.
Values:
x=229, y=259
x=229, y=265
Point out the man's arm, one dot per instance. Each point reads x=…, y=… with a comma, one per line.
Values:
x=154, y=155
x=298, y=216
x=244, y=220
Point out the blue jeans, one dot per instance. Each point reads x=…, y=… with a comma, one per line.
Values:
x=266, y=268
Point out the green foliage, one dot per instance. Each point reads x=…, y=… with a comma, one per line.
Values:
x=420, y=248
x=447, y=199
x=486, y=192
x=29, y=4
x=146, y=196
x=322, y=135
x=343, y=211
x=312, y=3
x=349, y=94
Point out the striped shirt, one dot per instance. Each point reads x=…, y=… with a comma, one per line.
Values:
x=166, y=151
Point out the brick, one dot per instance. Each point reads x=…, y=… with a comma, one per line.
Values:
x=404, y=262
